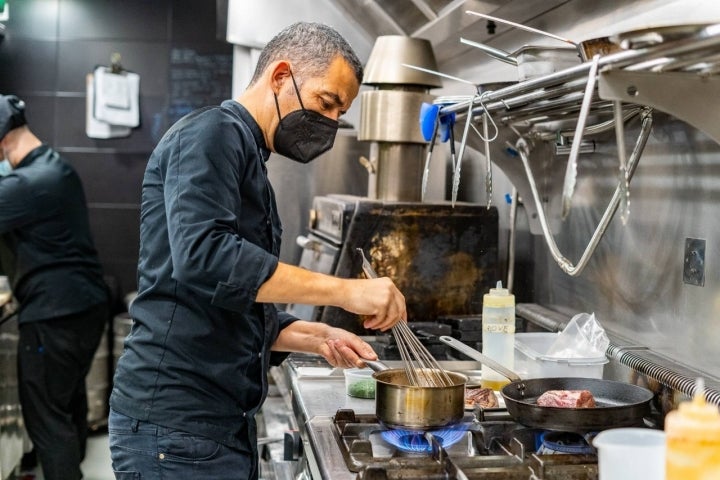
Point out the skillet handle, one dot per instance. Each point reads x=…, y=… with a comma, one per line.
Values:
x=484, y=359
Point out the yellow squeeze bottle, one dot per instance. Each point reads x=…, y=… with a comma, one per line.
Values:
x=498, y=334
x=693, y=439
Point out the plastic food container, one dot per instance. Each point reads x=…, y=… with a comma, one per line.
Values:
x=359, y=383
x=630, y=453
x=530, y=358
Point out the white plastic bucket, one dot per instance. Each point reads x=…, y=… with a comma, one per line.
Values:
x=631, y=454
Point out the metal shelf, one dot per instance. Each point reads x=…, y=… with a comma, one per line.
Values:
x=648, y=76
x=687, y=96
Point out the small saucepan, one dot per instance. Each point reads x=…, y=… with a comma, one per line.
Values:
x=618, y=404
x=400, y=405
x=597, y=46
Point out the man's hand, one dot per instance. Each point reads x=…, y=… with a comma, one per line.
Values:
x=339, y=347
x=378, y=299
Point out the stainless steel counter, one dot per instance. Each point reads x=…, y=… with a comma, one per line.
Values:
x=319, y=390
x=324, y=395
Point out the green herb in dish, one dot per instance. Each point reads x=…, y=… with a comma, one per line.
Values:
x=362, y=389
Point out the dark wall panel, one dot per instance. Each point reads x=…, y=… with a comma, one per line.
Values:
x=121, y=178
x=50, y=47
x=116, y=235
x=114, y=19
x=149, y=60
x=192, y=24
x=27, y=65
x=40, y=112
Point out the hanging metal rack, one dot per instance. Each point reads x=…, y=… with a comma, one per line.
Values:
x=642, y=78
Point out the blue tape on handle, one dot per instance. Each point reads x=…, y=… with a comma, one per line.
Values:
x=446, y=123
x=428, y=117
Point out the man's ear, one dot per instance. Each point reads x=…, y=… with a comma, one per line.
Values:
x=279, y=74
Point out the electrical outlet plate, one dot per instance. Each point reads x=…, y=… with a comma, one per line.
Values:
x=694, y=264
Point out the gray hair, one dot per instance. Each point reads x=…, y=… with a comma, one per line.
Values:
x=310, y=47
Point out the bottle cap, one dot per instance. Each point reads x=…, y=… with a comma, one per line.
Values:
x=499, y=297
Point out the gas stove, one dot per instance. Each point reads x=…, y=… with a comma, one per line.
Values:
x=356, y=446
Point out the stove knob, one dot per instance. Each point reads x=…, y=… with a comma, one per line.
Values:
x=293, y=446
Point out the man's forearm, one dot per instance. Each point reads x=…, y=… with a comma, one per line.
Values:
x=290, y=284
x=301, y=336
x=378, y=299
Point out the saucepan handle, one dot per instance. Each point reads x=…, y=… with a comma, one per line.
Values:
x=375, y=365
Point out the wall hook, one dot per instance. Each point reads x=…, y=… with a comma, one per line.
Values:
x=115, y=66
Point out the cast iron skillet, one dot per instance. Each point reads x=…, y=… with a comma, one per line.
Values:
x=618, y=404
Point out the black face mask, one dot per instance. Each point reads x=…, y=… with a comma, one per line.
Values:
x=303, y=135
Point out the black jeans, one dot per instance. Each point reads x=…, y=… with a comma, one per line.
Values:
x=145, y=451
x=54, y=356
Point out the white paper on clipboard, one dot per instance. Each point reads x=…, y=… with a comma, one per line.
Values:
x=93, y=127
x=117, y=97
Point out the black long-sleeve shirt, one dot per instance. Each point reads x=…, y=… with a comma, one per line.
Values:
x=47, y=248
x=197, y=356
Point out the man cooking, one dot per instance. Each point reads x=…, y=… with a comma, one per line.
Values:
x=194, y=370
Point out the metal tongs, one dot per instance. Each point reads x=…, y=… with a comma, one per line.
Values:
x=623, y=181
x=571, y=171
x=523, y=150
x=426, y=170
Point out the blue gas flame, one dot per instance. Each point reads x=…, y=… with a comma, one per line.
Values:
x=417, y=442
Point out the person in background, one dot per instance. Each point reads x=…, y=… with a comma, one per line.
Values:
x=48, y=253
x=194, y=370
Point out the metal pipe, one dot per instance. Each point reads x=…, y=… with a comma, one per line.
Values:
x=564, y=263
x=507, y=104
x=521, y=26
x=604, y=126
x=568, y=102
x=542, y=317
x=557, y=114
x=667, y=376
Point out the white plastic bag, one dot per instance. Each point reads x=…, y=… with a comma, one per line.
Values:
x=583, y=337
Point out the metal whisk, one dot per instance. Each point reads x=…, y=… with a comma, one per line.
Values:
x=421, y=368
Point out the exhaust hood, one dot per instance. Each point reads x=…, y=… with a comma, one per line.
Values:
x=442, y=22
